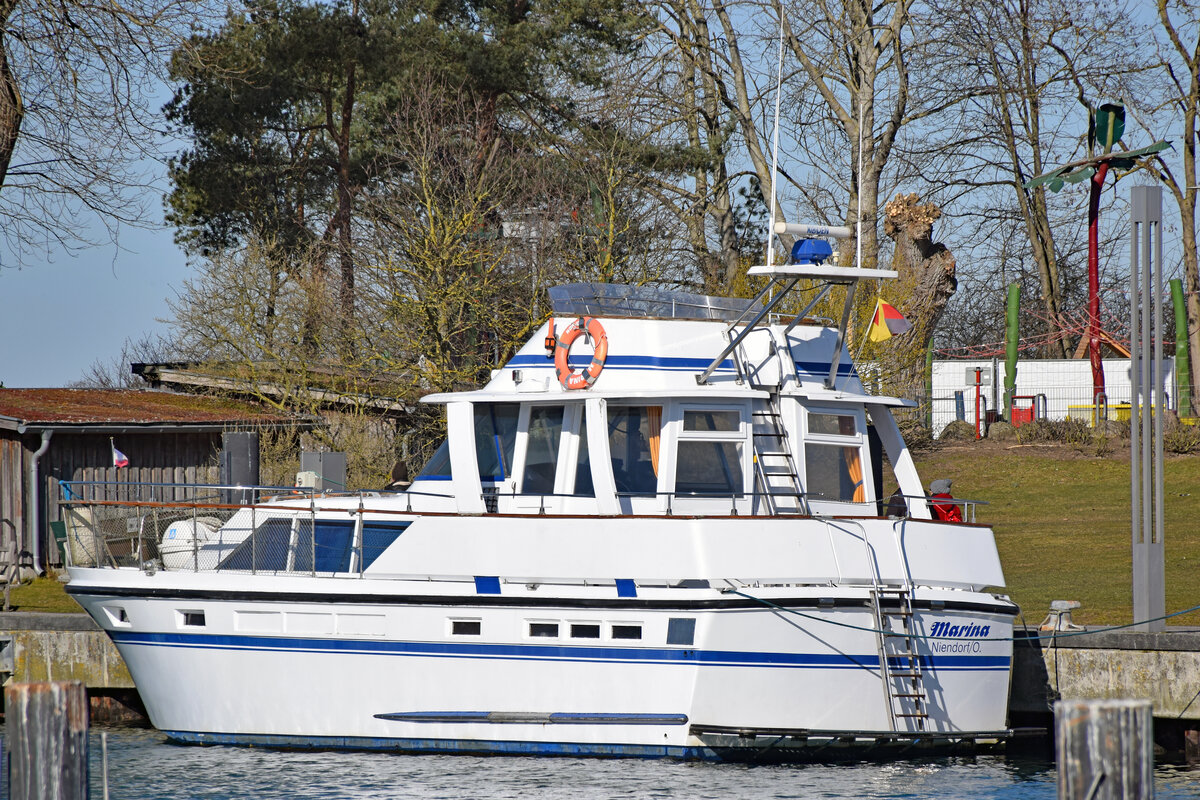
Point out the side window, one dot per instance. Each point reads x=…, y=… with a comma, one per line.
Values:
x=710, y=450
x=541, y=451
x=377, y=537
x=437, y=468
x=265, y=549
x=833, y=464
x=323, y=547
x=634, y=433
x=495, y=439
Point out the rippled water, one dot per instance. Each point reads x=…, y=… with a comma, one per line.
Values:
x=142, y=765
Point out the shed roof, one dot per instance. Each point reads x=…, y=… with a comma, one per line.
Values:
x=107, y=408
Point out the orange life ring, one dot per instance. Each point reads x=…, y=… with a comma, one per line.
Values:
x=595, y=331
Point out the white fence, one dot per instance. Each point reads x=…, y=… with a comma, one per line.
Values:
x=1065, y=383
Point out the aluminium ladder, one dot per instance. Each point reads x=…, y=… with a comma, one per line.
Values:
x=900, y=667
x=776, y=476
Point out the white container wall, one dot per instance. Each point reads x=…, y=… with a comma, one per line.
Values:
x=1066, y=384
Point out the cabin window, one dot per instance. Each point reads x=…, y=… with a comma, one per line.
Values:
x=265, y=549
x=466, y=627
x=495, y=439
x=324, y=546
x=541, y=451
x=437, y=468
x=191, y=619
x=634, y=433
x=836, y=424
x=543, y=630
x=377, y=537
x=709, y=468
x=833, y=463
x=627, y=631
x=712, y=421
x=681, y=631
x=709, y=453
x=585, y=630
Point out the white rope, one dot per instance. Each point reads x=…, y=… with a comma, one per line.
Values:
x=775, y=143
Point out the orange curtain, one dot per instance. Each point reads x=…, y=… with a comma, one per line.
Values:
x=654, y=423
x=854, y=467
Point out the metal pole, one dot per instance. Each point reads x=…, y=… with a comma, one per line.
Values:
x=1135, y=408
x=1149, y=587
x=978, y=396
x=1160, y=405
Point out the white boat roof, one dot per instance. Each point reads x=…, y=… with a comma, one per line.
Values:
x=660, y=341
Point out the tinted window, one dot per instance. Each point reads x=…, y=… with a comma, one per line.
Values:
x=438, y=467
x=837, y=424
x=827, y=472
x=633, y=438
x=541, y=452
x=377, y=537
x=709, y=468
x=585, y=631
x=495, y=438
x=266, y=549
x=712, y=421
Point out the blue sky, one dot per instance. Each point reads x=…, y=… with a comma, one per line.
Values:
x=61, y=313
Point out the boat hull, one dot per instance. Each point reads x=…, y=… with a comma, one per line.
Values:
x=711, y=675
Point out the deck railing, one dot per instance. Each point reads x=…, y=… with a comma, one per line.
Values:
x=247, y=529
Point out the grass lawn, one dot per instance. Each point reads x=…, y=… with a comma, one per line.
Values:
x=1062, y=525
x=1061, y=518
x=45, y=594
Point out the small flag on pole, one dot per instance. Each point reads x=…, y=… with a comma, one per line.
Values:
x=887, y=322
x=119, y=458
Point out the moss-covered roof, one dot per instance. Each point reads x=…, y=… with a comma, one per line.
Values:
x=128, y=406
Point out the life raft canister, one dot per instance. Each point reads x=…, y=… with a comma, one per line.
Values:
x=592, y=329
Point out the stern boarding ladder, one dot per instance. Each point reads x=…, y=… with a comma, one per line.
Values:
x=900, y=668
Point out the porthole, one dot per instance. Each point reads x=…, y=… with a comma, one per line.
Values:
x=543, y=630
x=585, y=630
x=466, y=627
x=627, y=631
x=191, y=619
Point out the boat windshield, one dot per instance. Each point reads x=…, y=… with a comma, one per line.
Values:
x=437, y=468
x=495, y=440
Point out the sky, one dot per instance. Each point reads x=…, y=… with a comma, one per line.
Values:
x=61, y=313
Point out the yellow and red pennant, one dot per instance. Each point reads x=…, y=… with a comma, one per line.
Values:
x=887, y=322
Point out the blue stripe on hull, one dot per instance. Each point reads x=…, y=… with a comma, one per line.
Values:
x=460, y=746
x=621, y=655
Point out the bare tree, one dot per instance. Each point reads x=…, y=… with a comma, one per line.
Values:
x=116, y=373
x=77, y=113
x=1178, y=108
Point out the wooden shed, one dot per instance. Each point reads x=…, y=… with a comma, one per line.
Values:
x=53, y=435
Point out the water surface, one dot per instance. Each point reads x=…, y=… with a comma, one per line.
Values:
x=143, y=765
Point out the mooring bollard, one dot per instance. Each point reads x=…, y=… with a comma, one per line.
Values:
x=47, y=740
x=1105, y=749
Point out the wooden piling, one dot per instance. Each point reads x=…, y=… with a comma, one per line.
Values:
x=47, y=740
x=1105, y=749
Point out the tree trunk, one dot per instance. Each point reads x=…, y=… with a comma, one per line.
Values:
x=345, y=217
x=927, y=280
x=12, y=110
